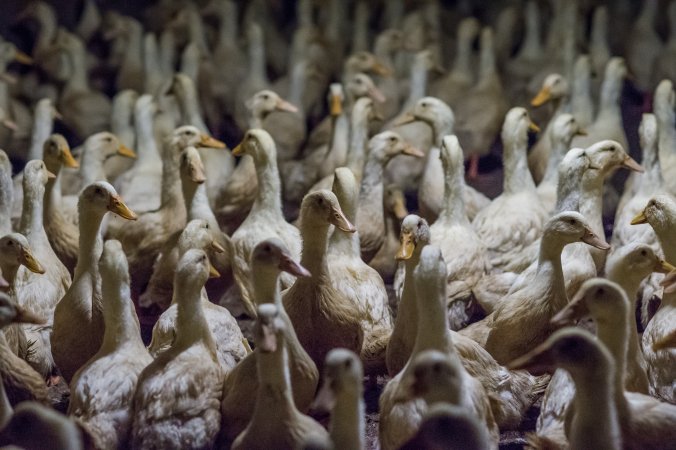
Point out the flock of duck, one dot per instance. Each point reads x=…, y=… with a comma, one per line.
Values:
x=283, y=276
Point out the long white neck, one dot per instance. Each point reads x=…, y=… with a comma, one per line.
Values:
x=274, y=385
x=32, y=214
x=559, y=147
x=358, y=141
x=197, y=203
x=342, y=244
x=147, y=152
x=609, y=102
x=406, y=321
x=77, y=82
x=347, y=421
x=190, y=108
x=517, y=176
x=418, y=85
x=532, y=47
x=315, y=242
x=549, y=265
x=269, y=196
x=167, y=52
x=91, y=241
x=152, y=65
x=133, y=54
x=453, y=210
x=266, y=286
x=487, y=69
x=42, y=128
x=257, y=58
x=360, y=36
x=171, y=195
x=6, y=198
x=462, y=64
x=371, y=189
x=228, y=29
x=91, y=166
x=651, y=179
x=191, y=325
x=433, y=332
x=119, y=316
x=591, y=200
x=298, y=84
x=666, y=119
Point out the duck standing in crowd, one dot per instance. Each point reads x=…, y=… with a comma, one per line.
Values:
x=317, y=218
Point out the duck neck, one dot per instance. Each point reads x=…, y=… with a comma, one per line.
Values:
x=358, y=141
x=269, y=197
x=275, y=384
x=609, y=103
x=191, y=324
x=559, y=149
x=549, y=265
x=591, y=200
x=9, y=271
x=614, y=337
x=91, y=242
x=77, y=82
x=462, y=64
x=6, y=198
x=228, y=30
x=266, y=286
x=517, y=175
x=257, y=59
x=406, y=320
x=121, y=323
x=346, y=244
x=42, y=128
x=652, y=177
x=133, y=54
x=532, y=47
x=315, y=242
x=347, y=424
x=360, y=36
x=196, y=31
x=340, y=137
x=298, y=84
x=197, y=202
x=32, y=215
x=487, y=72
x=666, y=119
x=371, y=188
x=433, y=332
x=191, y=109
x=453, y=211
x=146, y=145
x=167, y=52
x=171, y=194
x=418, y=85
x=52, y=197
x=91, y=169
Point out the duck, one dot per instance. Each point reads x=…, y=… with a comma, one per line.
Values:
x=535, y=302
x=322, y=316
x=6, y=195
x=357, y=280
x=119, y=361
x=663, y=107
x=39, y=293
x=485, y=100
x=663, y=67
x=16, y=252
x=122, y=126
x=414, y=236
x=289, y=428
x=268, y=259
x=61, y=231
x=395, y=211
x=370, y=220
x=555, y=90
x=440, y=117
x=177, y=398
x=563, y=129
x=266, y=218
x=644, y=45
x=590, y=365
x=77, y=331
x=660, y=213
x=342, y=394
x=638, y=413
x=400, y=416
x=230, y=347
x=20, y=382
x=464, y=253
x=143, y=239
x=505, y=233
x=449, y=426
x=581, y=105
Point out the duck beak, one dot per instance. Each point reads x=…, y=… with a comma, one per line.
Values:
x=325, y=399
x=639, y=218
x=218, y=248
x=538, y=361
x=661, y=266
x=406, y=247
x=412, y=151
x=336, y=106
x=56, y=114
x=211, y=142
x=581, y=132
x=27, y=259
x=26, y=316
x=268, y=342
x=381, y=69
x=533, y=127
x=542, y=97
x=213, y=273
x=67, y=158
x=399, y=210
x=406, y=118
x=592, y=239
x=288, y=265
x=576, y=309
x=50, y=175
x=23, y=58
x=123, y=150
x=376, y=94
x=631, y=164
x=117, y=206
x=239, y=150
x=338, y=219
x=283, y=105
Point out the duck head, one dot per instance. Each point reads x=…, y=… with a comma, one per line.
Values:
x=631, y=263
x=259, y=144
x=197, y=234
x=368, y=63
x=194, y=269
x=343, y=375
x=432, y=111
x=598, y=297
x=361, y=85
x=272, y=255
x=264, y=102
x=15, y=251
x=571, y=226
x=660, y=213
x=608, y=155
x=102, y=197
x=517, y=124
x=107, y=144
x=565, y=127
x=322, y=206
x=433, y=376
x=554, y=87
x=388, y=144
x=188, y=135
x=192, y=168
x=56, y=152
x=572, y=349
x=35, y=173
x=451, y=154
x=414, y=235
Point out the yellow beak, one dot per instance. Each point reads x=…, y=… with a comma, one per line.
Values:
x=238, y=151
x=208, y=141
x=336, y=106
x=406, y=247
x=639, y=218
x=533, y=127
x=663, y=267
x=22, y=58
x=117, y=206
x=67, y=158
x=28, y=260
x=542, y=97
x=213, y=273
x=123, y=150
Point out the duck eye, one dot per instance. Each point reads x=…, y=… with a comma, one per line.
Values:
x=98, y=191
x=644, y=253
x=266, y=96
x=109, y=139
x=393, y=139
x=10, y=243
x=572, y=221
x=436, y=367
x=348, y=363
x=320, y=201
x=207, y=226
